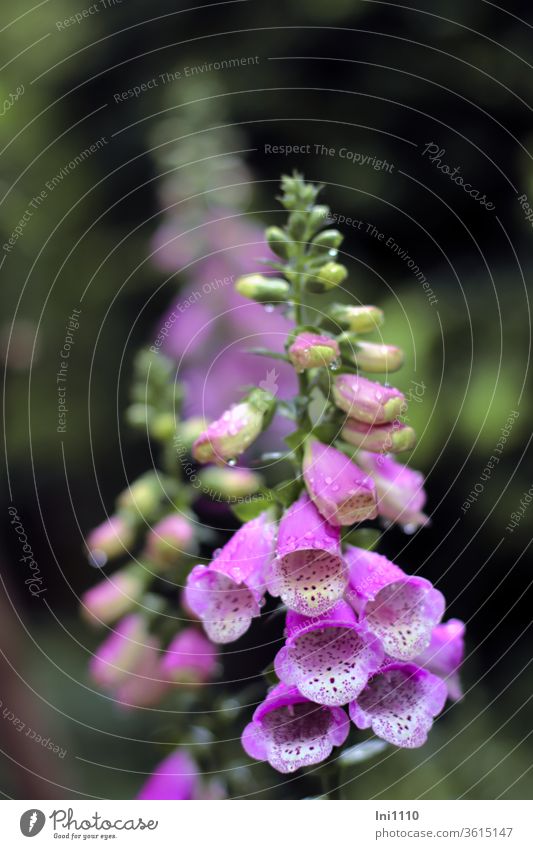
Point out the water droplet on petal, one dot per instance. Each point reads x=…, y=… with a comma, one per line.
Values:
x=232, y=462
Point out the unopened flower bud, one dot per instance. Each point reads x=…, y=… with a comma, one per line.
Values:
x=317, y=217
x=111, y=539
x=120, y=653
x=327, y=240
x=278, y=241
x=116, y=595
x=142, y=496
x=392, y=437
x=231, y=434
x=230, y=483
x=263, y=289
x=339, y=489
x=373, y=357
x=363, y=319
x=189, y=430
x=163, y=426
x=309, y=350
x=170, y=539
x=331, y=274
x=366, y=400
x=190, y=658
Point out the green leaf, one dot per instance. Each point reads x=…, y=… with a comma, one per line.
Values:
x=363, y=538
x=295, y=439
x=252, y=506
x=287, y=492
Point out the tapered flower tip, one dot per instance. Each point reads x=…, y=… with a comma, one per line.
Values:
x=360, y=319
x=120, y=652
x=366, y=400
x=401, y=494
x=392, y=437
x=225, y=608
x=309, y=572
x=229, y=483
x=111, y=539
x=399, y=704
x=231, y=434
x=374, y=357
x=110, y=599
x=329, y=658
x=309, y=350
x=342, y=492
x=291, y=732
x=190, y=658
x=444, y=654
x=170, y=539
x=401, y=610
x=176, y=777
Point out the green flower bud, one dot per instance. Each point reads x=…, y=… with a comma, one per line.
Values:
x=330, y=275
x=189, y=430
x=163, y=426
x=142, y=496
x=372, y=357
x=230, y=483
x=327, y=240
x=362, y=319
x=278, y=241
x=317, y=218
x=140, y=415
x=263, y=289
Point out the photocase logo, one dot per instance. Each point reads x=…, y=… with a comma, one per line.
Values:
x=32, y=822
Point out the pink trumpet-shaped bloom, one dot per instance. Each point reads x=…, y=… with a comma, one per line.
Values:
x=366, y=400
x=126, y=665
x=309, y=572
x=401, y=494
x=399, y=704
x=290, y=732
x=120, y=653
x=190, y=658
x=341, y=491
x=444, y=654
x=170, y=538
x=111, y=539
x=176, y=777
x=329, y=658
x=229, y=593
x=401, y=610
x=111, y=598
x=309, y=350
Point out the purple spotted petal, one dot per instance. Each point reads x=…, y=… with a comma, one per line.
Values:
x=176, y=777
x=329, y=658
x=401, y=610
x=309, y=572
x=229, y=593
x=290, y=732
x=399, y=704
x=225, y=607
x=444, y=655
x=341, y=491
